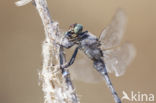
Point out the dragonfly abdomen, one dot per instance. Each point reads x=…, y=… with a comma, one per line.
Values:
x=101, y=68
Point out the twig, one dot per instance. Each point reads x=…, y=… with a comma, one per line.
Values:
x=56, y=87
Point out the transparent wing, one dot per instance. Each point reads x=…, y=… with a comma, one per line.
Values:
x=113, y=33
x=119, y=58
x=82, y=70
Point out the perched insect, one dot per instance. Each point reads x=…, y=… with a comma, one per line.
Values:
x=105, y=52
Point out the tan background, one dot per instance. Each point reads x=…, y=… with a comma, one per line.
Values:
x=21, y=35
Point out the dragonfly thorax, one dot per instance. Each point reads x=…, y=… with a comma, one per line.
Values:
x=90, y=46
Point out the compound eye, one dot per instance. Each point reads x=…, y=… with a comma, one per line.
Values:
x=78, y=28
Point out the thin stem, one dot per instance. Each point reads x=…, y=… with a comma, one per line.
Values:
x=56, y=87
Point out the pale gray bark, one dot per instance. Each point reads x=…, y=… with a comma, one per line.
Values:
x=56, y=87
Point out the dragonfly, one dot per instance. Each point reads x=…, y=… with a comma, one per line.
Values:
x=105, y=52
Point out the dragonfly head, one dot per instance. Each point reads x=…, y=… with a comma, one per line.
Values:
x=74, y=30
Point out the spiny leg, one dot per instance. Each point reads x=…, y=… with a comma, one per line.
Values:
x=70, y=62
x=72, y=58
x=66, y=74
x=100, y=67
x=61, y=56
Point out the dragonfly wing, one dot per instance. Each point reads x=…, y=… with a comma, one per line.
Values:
x=113, y=33
x=82, y=70
x=117, y=59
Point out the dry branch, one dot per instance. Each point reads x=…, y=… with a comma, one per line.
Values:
x=56, y=87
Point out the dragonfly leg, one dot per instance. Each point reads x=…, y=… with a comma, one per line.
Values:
x=72, y=59
x=101, y=68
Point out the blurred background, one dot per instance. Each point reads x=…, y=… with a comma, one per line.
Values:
x=21, y=36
